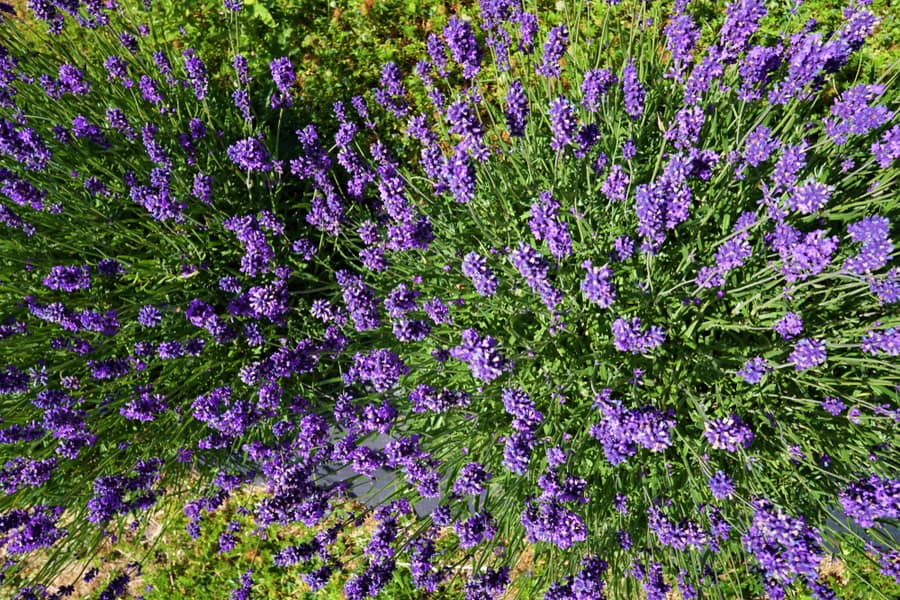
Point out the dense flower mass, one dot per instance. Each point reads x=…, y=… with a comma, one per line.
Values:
x=616, y=285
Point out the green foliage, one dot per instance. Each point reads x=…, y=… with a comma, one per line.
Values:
x=337, y=46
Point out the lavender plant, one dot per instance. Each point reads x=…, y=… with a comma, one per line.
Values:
x=632, y=302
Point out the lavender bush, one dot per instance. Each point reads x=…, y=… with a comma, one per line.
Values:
x=632, y=302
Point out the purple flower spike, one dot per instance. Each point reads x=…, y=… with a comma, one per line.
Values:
x=554, y=49
x=474, y=266
x=633, y=91
x=485, y=360
x=754, y=369
x=808, y=353
x=721, y=486
x=728, y=433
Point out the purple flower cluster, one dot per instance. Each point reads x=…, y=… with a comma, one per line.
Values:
x=741, y=21
x=664, y=203
x=728, y=433
x=789, y=326
x=833, y=406
x=630, y=336
x=596, y=285
x=13, y=380
x=535, y=269
x=684, y=133
x=517, y=109
x=85, y=320
x=68, y=279
x=756, y=70
x=887, y=288
x=196, y=71
x=554, y=49
x=759, y=146
x=594, y=87
x=753, y=370
x=721, y=486
x=886, y=149
x=471, y=479
x=464, y=49
x=283, y=75
x=485, y=360
x=808, y=353
x=633, y=91
x=852, y=114
x=885, y=340
x=360, y=300
x=784, y=547
x=121, y=494
x=488, y=585
x=391, y=94
x=250, y=155
x=730, y=255
x=615, y=186
x=464, y=122
x=474, y=266
x=551, y=522
x=24, y=145
x=23, y=531
x=803, y=256
x=871, y=498
x=563, y=123
x=546, y=225
x=418, y=465
x=425, y=398
x=476, y=529
x=228, y=416
x=292, y=494
x=521, y=407
x=809, y=197
x=586, y=584
x=144, y=405
x=622, y=429
x=380, y=367
x=873, y=235
x=20, y=472
x=684, y=535
x=682, y=34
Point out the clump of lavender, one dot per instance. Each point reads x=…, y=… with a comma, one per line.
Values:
x=184, y=280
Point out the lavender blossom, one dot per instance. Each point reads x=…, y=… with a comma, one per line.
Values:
x=463, y=46
x=563, y=123
x=594, y=87
x=554, y=49
x=871, y=498
x=728, y=433
x=596, y=285
x=721, y=486
x=808, y=353
x=630, y=336
x=517, y=109
x=485, y=360
x=753, y=370
x=633, y=91
x=474, y=266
